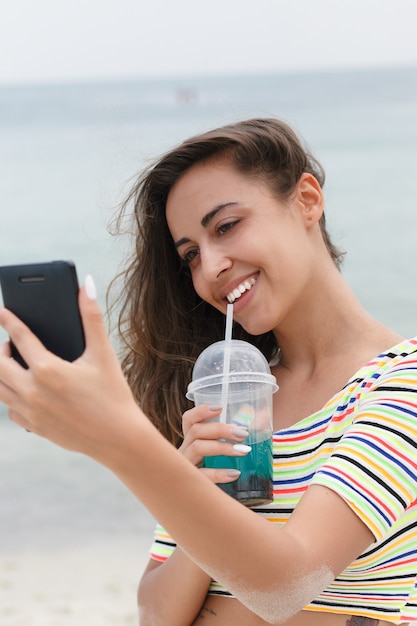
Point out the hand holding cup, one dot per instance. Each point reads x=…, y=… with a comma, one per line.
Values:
x=205, y=436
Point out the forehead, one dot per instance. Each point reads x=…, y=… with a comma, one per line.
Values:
x=206, y=186
x=203, y=179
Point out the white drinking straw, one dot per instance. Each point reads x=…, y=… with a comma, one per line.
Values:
x=226, y=361
x=229, y=322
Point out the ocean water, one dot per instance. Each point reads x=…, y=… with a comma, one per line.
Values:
x=67, y=156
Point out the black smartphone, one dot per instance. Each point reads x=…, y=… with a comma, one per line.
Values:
x=45, y=297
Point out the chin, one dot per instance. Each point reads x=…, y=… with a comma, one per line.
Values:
x=257, y=328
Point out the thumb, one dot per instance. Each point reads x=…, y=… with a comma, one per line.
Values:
x=93, y=323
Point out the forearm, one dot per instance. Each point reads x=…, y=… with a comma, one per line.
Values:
x=172, y=592
x=236, y=547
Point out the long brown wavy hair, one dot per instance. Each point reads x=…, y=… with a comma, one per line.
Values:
x=163, y=324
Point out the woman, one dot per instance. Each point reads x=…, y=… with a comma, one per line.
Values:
x=237, y=215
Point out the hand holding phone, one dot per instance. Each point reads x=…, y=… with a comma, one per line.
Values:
x=45, y=297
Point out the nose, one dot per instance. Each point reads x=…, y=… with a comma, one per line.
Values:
x=214, y=261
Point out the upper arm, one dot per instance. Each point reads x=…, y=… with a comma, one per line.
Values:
x=151, y=566
x=374, y=468
x=370, y=479
x=330, y=532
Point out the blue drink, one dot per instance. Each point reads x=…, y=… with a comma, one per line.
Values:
x=254, y=485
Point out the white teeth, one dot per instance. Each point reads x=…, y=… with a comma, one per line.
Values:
x=237, y=292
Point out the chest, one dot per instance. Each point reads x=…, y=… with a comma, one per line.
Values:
x=302, y=447
x=297, y=398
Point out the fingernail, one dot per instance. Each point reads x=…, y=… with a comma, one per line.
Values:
x=215, y=407
x=90, y=288
x=240, y=432
x=241, y=447
x=232, y=473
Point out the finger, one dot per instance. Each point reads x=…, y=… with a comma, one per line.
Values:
x=200, y=448
x=199, y=413
x=5, y=349
x=216, y=430
x=7, y=395
x=221, y=476
x=96, y=336
x=16, y=383
x=29, y=346
x=19, y=420
x=10, y=372
x=198, y=424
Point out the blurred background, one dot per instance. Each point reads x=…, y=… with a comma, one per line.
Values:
x=90, y=93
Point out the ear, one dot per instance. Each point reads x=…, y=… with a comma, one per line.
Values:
x=311, y=199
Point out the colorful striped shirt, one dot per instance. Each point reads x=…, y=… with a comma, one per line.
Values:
x=363, y=445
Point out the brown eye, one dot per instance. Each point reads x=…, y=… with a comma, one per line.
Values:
x=190, y=256
x=224, y=228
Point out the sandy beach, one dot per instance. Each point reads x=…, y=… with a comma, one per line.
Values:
x=73, y=540
x=88, y=587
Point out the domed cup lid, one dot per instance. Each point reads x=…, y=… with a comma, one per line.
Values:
x=246, y=364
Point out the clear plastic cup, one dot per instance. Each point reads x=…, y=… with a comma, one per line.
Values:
x=244, y=388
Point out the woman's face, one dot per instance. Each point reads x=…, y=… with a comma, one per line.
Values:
x=242, y=244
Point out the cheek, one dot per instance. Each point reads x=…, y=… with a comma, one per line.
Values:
x=199, y=285
x=202, y=290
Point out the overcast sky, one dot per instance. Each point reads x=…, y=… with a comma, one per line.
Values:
x=82, y=40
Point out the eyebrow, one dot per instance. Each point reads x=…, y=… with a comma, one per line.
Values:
x=206, y=220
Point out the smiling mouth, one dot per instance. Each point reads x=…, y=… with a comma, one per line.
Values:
x=240, y=289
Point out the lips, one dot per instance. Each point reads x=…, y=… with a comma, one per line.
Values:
x=244, y=286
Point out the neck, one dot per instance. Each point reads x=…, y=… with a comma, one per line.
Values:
x=336, y=324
